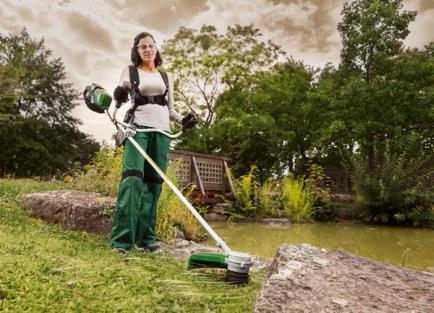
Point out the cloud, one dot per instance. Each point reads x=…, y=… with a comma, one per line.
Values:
x=88, y=31
x=306, y=29
x=425, y=5
x=418, y=37
x=25, y=14
x=11, y=19
x=164, y=16
x=63, y=2
x=309, y=24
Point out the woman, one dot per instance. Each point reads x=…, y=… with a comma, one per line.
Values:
x=140, y=187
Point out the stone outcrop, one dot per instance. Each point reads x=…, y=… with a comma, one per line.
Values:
x=219, y=212
x=304, y=278
x=83, y=211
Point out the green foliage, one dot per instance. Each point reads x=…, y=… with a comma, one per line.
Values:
x=38, y=133
x=280, y=115
x=372, y=32
x=57, y=270
x=290, y=197
x=377, y=107
x=319, y=185
x=103, y=175
x=374, y=104
x=297, y=200
x=268, y=123
x=399, y=192
x=173, y=216
x=246, y=191
x=206, y=62
x=267, y=204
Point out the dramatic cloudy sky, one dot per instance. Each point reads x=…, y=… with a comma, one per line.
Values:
x=93, y=38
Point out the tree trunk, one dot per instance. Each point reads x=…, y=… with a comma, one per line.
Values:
x=291, y=163
x=371, y=154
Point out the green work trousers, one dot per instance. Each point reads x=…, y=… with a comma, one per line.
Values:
x=136, y=204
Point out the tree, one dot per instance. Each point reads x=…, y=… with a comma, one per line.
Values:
x=269, y=123
x=372, y=32
x=206, y=63
x=380, y=104
x=38, y=133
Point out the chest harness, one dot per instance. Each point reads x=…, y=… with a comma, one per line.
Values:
x=139, y=99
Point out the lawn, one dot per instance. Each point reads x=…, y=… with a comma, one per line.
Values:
x=44, y=268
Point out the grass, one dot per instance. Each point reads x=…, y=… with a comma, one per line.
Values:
x=44, y=268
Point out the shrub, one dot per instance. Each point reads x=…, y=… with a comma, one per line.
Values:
x=103, y=174
x=296, y=198
x=267, y=200
x=396, y=193
x=319, y=184
x=245, y=196
x=290, y=198
x=173, y=216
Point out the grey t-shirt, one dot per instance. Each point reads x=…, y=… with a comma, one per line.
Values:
x=152, y=115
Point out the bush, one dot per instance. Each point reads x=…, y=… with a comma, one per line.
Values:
x=267, y=195
x=173, y=216
x=290, y=198
x=296, y=198
x=319, y=184
x=396, y=193
x=246, y=196
x=103, y=174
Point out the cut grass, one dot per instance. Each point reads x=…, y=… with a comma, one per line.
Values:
x=44, y=268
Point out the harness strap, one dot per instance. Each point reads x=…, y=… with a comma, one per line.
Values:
x=138, y=99
x=144, y=178
x=166, y=82
x=142, y=100
x=130, y=173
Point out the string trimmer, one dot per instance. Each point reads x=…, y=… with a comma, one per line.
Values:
x=237, y=264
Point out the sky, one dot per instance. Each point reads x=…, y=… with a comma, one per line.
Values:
x=94, y=37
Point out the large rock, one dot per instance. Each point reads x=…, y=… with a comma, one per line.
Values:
x=84, y=211
x=303, y=278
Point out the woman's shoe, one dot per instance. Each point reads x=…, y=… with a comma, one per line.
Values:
x=119, y=250
x=148, y=248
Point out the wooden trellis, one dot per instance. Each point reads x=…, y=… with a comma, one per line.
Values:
x=209, y=172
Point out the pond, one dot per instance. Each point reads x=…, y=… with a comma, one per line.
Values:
x=409, y=247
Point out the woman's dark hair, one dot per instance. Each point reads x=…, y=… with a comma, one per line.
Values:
x=135, y=56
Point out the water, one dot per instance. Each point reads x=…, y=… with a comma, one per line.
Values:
x=409, y=247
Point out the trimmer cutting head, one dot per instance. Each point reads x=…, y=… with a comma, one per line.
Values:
x=237, y=264
x=238, y=267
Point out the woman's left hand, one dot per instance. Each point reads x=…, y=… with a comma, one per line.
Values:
x=188, y=122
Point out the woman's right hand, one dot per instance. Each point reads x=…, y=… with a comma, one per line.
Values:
x=120, y=94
